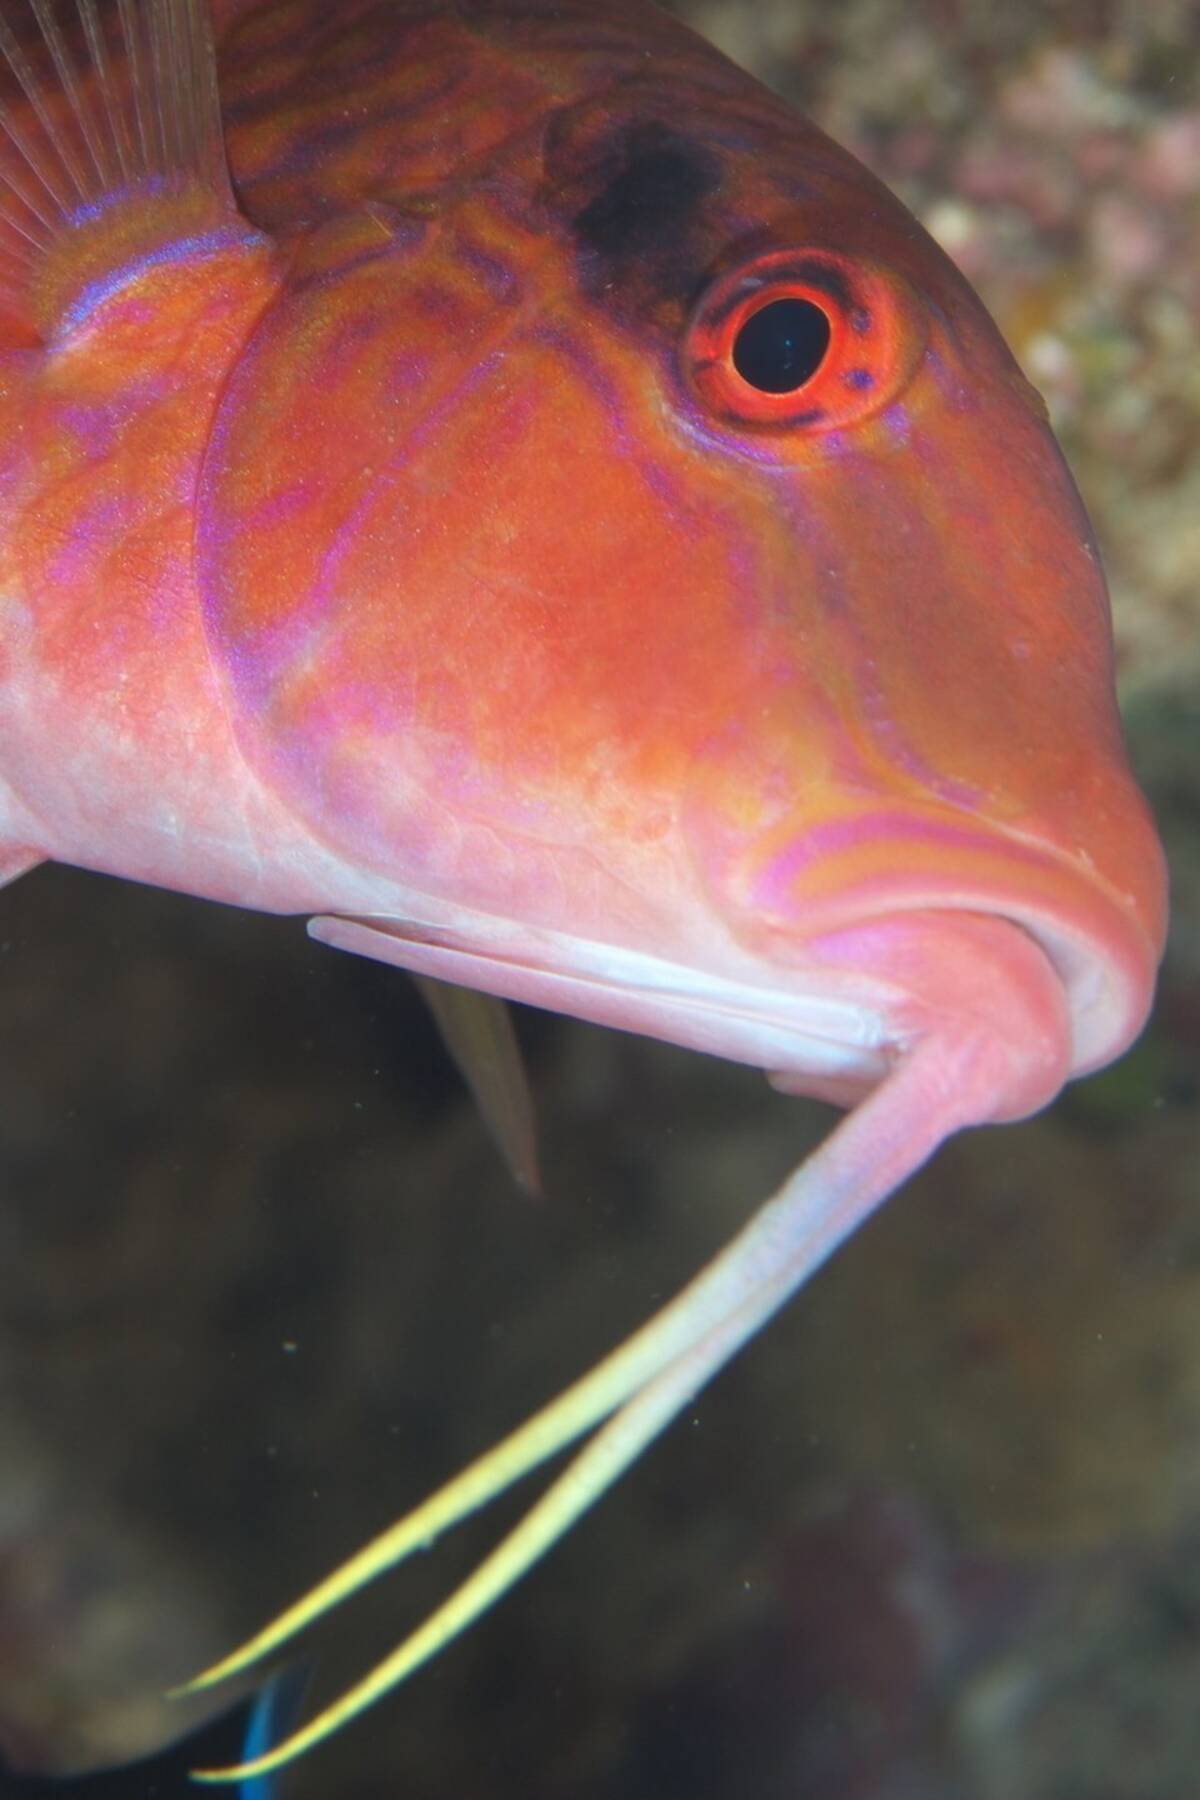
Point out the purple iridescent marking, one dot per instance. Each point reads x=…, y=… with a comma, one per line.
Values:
x=817, y=843
x=199, y=245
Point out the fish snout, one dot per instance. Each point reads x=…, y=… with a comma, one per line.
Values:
x=934, y=919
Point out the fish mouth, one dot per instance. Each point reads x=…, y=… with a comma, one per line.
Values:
x=1104, y=944
x=828, y=1008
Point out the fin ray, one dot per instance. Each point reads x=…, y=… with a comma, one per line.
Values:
x=98, y=98
x=65, y=70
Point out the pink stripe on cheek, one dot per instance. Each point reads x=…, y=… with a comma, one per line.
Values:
x=773, y=888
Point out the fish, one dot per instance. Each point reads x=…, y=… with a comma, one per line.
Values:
x=245, y=1730
x=495, y=480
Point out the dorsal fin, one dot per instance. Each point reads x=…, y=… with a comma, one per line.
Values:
x=100, y=101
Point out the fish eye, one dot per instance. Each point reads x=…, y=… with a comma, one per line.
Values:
x=802, y=342
x=782, y=345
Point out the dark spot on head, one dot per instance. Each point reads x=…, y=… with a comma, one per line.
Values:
x=638, y=230
x=860, y=379
x=662, y=180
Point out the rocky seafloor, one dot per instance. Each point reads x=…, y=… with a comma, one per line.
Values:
x=935, y=1536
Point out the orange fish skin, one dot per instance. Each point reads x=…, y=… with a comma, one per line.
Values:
x=112, y=718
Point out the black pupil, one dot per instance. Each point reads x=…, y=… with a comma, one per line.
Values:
x=781, y=346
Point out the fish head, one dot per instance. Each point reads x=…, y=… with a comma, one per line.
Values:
x=680, y=595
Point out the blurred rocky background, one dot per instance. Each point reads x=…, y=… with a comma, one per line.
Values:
x=936, y=1536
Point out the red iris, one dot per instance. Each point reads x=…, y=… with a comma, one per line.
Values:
x=803, y=340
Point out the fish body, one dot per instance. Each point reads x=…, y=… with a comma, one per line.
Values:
x=553, y=516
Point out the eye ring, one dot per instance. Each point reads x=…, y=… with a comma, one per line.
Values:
x=806, y=341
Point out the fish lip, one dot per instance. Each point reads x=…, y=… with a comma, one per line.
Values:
x=1103, y=945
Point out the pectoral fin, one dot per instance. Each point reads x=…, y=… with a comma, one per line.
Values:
x=477, y=1030
x=17, y=860
x=112, y=157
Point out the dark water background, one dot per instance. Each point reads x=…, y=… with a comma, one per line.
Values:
x=262, y=1282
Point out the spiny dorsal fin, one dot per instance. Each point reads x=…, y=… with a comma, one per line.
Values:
x=99, y=100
